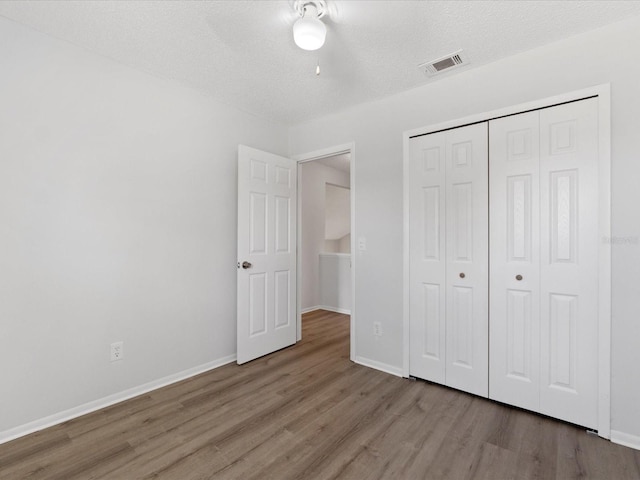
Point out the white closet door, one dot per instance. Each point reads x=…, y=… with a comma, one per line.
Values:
x=514, y=177
x=448, y=257
x=544, y=261
x=467, y=259
x=427, y=257
x=569, y=262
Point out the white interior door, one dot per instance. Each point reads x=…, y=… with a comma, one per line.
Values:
x=449, y=258
x=544, y=261
x=266, y=273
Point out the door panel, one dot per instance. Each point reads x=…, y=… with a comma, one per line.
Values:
x=427, y=270
x=519, y=338
x=461, y=332
x=569, y=262
x=258, y=219
x=266, y=236
x=257, y=304
x=564, y=216
x=431, y=206
x=448, y=236
x=563, y=342
x=283, y=225
x=544, y=261
x=514, y=351
x=431, y=345
x=467, y=259
x=519, y=232
x=283, y=314
x=461, y=232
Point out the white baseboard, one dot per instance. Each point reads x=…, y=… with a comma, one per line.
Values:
x=335, y=309
x=626, y=439
x=383, y=367
x=310, y=309
x=89, y=407
x=327, y=308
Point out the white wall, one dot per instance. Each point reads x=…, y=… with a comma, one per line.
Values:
x=597, y=57
x=345, y=244
x=341, y=245
x=117, y=222
x=335, y=282
x=313, y=179
x=337, y=212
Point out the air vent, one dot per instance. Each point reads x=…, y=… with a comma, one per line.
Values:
x=444, y=64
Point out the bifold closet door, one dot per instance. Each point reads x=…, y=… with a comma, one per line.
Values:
x=514, y=149
x=544, y=261
x=449, y=258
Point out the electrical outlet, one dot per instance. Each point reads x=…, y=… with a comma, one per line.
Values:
x=117, y=351
x=377, y=329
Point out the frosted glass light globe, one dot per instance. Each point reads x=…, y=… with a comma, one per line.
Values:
x=309, y=33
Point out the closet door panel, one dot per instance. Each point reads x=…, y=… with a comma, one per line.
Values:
x=514, y=376
x=428, y=262
x=467, y=259
x=449, y=261
x=569, y=262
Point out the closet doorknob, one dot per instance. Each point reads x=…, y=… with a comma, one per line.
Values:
x=518, y=277
x=462, y=275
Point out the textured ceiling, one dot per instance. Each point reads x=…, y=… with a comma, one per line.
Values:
x=242, y=52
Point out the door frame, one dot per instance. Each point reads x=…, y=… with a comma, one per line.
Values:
x=603, y=93
x=309, y=157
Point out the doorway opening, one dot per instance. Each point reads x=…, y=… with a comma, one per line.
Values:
x=326, y=270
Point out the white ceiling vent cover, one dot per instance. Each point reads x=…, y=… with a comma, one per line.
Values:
x=444, y=64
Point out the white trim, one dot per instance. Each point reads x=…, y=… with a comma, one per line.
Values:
x=604, y=262
x=299, y=252
x=335, y=254
x=345, y=311
x=406, y=259
x=598, y=90
x=324, y=153
x=107, y=401
x=317, y=155
x=626, y=439
x=309, y=309
x=603, y=92
x=327, y=308
x=383, y=367
x=352, y=184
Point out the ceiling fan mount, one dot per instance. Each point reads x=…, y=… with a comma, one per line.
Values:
x=300, y=6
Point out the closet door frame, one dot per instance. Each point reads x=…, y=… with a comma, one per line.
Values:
x=603, y=94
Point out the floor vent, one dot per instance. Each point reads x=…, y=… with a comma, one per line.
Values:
x=443, y=64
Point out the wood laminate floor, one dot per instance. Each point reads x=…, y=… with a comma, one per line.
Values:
x=307, y=412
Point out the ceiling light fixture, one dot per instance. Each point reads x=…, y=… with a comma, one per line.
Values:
x=309, y=32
